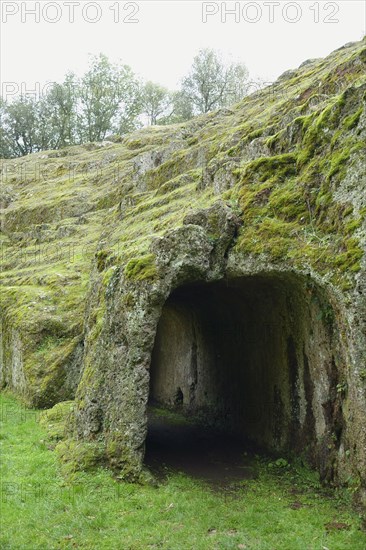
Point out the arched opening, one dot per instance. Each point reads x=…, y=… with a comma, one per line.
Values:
x=251, y=356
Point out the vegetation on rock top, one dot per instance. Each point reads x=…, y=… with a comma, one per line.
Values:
x=288, y=159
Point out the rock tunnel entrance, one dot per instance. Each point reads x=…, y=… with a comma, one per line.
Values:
x=253, y=356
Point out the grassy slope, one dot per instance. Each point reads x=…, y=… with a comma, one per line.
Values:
x=40, y=509
x=286, y=152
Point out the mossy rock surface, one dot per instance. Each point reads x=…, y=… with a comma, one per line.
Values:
x=94, y=238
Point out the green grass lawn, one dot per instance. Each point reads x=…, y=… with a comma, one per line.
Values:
x=284, y=509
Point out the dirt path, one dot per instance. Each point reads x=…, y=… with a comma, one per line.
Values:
x=203, y=454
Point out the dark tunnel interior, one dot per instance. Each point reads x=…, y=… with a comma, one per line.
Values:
x=244, y=355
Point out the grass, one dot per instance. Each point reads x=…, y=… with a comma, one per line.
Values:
x=285, y=508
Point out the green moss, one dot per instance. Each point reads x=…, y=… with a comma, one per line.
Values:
x=110, y=274
x=272, y=141
x=135, y=143
x=57, y=420
x=349, y=260
x=339, y=159
x=269, y=236
x=77, y=456
x=351, y=226
x=317, y=128
x=266, y=169
x=140, y=269
x=255, y=134
x=288, y=202
x=352, y=120
x=49, y=375
x=123, y=460
x=90, y=205
x=101, y=257
x=179, y=163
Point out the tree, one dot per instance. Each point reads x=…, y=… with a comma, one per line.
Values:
x=109, y=99
x=58, y=114
x=108, y=96
x=156, y=101
x=29, y=125
x=212, y=83
x=181, y=109
x=5, y=145
x=238, y=84
x=105, y=100
x=21, y=126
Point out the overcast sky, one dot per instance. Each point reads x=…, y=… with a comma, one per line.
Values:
x=159, y=38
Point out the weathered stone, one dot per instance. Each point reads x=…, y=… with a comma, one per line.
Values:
x=222, y=271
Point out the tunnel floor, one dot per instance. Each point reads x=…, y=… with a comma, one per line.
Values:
x=176, y=444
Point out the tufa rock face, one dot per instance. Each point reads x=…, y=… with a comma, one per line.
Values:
x=216, y=266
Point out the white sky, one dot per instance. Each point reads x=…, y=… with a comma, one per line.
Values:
x=161, y=45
